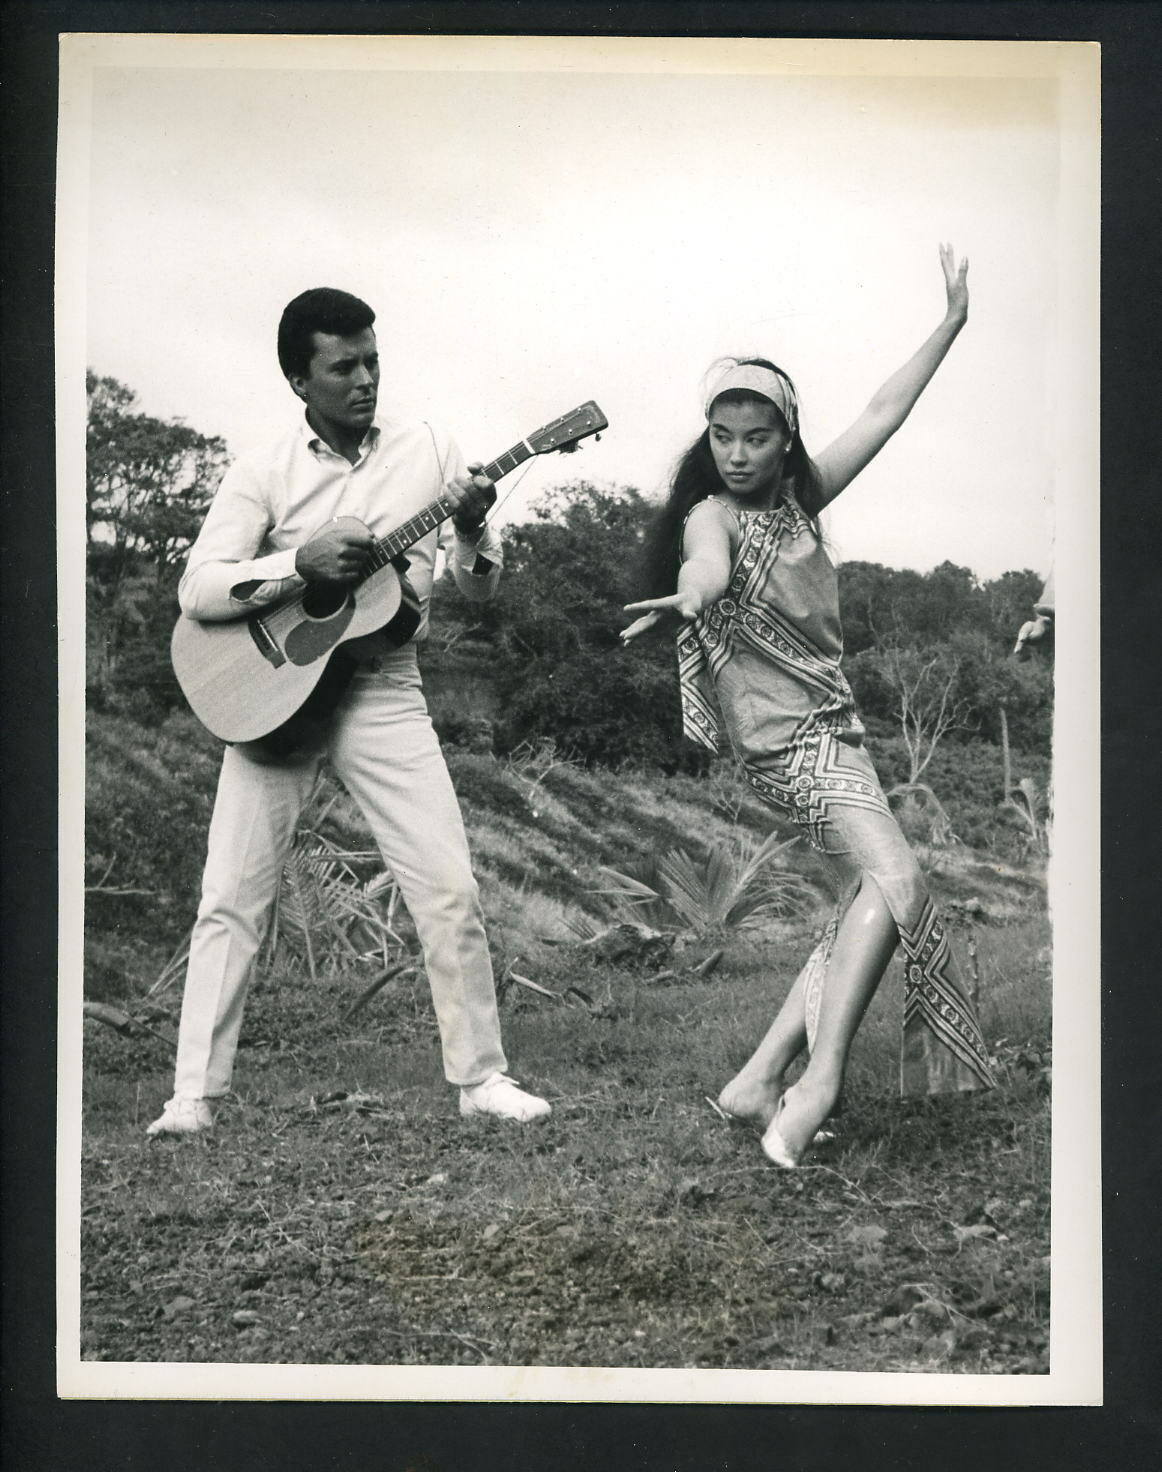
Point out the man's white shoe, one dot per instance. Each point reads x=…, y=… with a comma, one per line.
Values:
x=183, y=1117
x=499, y=1095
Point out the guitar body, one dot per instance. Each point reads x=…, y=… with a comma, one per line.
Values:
x=246, y=678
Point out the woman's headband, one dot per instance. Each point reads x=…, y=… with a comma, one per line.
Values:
x=763, y=381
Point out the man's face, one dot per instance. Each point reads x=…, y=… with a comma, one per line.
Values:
x=341, y=385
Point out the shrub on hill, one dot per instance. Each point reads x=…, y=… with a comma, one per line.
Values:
x=968, y=778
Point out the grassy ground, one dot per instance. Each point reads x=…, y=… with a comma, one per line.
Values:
x=342, y=1212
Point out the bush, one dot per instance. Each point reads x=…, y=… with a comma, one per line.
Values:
x=560, y=672
x=599, y=706
x=968, y=778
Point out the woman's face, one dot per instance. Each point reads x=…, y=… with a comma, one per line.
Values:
x=748, y=442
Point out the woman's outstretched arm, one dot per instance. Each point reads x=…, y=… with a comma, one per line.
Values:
x=892, y=402
x=707, y=553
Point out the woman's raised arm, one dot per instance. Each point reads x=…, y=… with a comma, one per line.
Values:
x=892, y=402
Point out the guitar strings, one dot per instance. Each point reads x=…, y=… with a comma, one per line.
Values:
x=493, y=511
x=286, y=615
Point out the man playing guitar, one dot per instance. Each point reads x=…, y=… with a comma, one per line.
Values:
x=305, y=511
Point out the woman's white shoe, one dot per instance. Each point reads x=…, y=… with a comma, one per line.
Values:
x=774, y=1146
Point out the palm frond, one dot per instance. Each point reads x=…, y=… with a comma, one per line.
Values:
x=327, y=910
x=734, y=885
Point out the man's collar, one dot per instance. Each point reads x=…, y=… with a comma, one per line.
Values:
x=315, y=442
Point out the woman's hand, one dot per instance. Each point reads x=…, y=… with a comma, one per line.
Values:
x=893, y=401
x=687, y=605
x=955, y=283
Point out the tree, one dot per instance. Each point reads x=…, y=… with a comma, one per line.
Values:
x=927, y=706
x=867, y=600
x=914, y=608
x=951, y=599
x=922, y=684
x=992, y=681
x=149, y=484
x=149, y=481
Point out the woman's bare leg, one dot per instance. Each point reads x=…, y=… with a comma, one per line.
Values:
x=753, y=1093
x=865, y=942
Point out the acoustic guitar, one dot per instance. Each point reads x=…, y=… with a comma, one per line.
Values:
x=271, y=679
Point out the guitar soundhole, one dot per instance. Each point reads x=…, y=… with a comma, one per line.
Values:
x=326, y=613
x=323, y=600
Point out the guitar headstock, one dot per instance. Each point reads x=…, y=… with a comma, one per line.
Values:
x=566, y=432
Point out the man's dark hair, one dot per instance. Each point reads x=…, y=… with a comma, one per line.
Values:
x=322, y=309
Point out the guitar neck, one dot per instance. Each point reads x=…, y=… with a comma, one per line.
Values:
x=388, y=548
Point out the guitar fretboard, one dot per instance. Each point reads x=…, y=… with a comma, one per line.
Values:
x=388, y=548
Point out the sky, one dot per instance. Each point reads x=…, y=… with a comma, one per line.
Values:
x=538, y=236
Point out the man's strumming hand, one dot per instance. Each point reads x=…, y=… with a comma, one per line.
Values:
x=338, y=553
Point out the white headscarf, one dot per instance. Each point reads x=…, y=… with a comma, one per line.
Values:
x=759, y=380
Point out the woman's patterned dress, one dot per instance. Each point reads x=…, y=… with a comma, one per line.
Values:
x=763, y=662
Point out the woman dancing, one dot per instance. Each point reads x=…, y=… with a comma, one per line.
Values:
x=760, y=646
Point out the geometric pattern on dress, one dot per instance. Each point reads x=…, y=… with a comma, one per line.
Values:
x=764, y=630
x=742, y=617
x=811, y=780
x=699, y=713
x=760, y=536
x=931, y=993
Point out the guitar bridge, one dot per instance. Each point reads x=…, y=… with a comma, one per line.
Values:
x=265, y=641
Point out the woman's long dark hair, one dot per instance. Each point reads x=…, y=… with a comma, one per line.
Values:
x=696, y=477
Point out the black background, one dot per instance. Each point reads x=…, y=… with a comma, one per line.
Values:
x=40, y=1432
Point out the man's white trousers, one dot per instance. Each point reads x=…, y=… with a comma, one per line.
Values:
x=386, y=754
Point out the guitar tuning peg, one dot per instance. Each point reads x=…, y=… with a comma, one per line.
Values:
x=597, y=437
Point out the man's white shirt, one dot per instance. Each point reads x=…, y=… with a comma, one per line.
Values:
x=274, y=498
